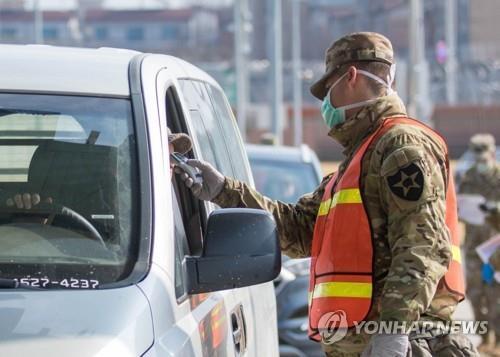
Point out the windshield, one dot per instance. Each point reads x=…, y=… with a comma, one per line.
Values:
x=68, y=190
x=283, y=181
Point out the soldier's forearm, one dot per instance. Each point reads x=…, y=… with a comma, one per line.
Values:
x=418, y=264
x=421, y=253
x=238, y=194
x=407, y=295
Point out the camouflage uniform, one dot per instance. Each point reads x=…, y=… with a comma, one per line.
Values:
x=412, y=249
x=494, y=220
x=484, y=298
x=495, y=260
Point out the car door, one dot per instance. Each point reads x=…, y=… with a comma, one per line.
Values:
x=207, y=134
x=219, y=316
x=261, y=298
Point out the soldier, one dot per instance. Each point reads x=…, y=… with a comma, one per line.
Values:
x=483, y=178
x=377, y=230
x=495, y=262
x=492, y=209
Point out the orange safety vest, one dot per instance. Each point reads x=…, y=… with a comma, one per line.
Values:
x=342, y=248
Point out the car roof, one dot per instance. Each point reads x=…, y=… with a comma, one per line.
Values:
x=41, y=68
x=73, y=70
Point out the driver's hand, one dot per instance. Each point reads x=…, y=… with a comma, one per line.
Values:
x=25, y=200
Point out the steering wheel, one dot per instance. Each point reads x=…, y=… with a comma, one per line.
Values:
x=54, y=209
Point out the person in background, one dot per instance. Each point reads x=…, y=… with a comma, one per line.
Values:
x=380, y=231
x=483, y=178
x=488, y=271
x=494, y=263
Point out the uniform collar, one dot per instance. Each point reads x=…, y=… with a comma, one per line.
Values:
x=351, y=133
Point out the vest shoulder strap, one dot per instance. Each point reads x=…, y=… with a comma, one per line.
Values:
x=393, y=121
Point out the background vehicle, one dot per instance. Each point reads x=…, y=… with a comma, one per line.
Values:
x=285, y=174
x=465, y=162
x=119, y=259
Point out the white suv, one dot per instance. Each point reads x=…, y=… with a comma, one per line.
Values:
x=115, y=257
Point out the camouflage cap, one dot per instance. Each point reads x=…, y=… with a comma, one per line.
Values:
x=358, y=46
x=181, y=142
x=482, y=144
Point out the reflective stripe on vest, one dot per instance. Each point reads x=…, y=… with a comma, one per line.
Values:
x=342, y=248
x=353, y=289
x=342, y=289
x=342, y=197
x=456, y=254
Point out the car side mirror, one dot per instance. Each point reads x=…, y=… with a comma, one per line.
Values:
x=241, y=248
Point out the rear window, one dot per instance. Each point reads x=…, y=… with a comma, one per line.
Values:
x=283, y=181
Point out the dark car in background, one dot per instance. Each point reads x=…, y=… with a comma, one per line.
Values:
x=286, y=173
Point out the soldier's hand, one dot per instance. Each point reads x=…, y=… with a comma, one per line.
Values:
x=212, y=184
x=25, y=200
x=383, y=345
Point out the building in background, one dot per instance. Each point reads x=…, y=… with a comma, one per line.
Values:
x=193, y=33
x=484, y=31
x=203, y=35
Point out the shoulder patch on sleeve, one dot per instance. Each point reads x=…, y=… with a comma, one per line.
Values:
x=407, y=183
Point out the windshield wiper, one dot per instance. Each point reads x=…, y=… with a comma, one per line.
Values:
x=15, y=284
